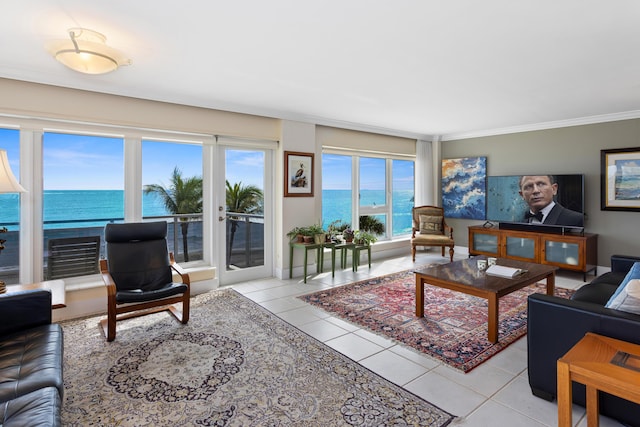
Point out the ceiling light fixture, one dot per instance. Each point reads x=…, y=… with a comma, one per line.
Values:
x=86, y=52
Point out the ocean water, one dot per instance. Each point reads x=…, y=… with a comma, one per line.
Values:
x=78, y=208
x=337, y=206
x=91, y=208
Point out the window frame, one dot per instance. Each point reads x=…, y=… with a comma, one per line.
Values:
x=356, y=209
x=31, y=177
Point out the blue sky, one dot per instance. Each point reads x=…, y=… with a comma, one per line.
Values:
x=82, y=162
x=336, y=173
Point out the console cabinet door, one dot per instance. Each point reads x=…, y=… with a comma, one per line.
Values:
x=484, y=241
x=521, y=246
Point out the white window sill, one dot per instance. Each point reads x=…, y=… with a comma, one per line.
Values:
x=196, y=274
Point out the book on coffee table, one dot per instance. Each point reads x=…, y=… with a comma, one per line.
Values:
x=503, y=271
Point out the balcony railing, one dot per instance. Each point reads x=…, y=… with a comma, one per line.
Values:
x=246, y=250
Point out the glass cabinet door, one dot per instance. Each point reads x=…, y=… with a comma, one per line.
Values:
x=485, y=243
x=561, y=252
x=521, y=247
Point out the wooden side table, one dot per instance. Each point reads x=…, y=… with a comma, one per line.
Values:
x=590, y=362
x=58, y=293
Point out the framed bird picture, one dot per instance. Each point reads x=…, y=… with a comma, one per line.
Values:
x=298, y=174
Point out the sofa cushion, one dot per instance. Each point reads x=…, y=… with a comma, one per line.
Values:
x=30, y=360
x=634, y=273
x=595, y=292
x=40, y=408
x=629, y=299
x=612, y=278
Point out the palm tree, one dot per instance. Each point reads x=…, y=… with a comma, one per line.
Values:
x=183, y=196
x=242, y=199
x=371, y=224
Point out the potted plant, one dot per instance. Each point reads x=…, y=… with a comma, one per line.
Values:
x=364, y=238
x=348, y=235
x=336, y=228
x=297, y=234
x=318, y=233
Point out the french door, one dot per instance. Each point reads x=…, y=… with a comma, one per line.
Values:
x=244, y=213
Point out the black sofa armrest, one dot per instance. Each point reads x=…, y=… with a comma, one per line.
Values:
x=557, y=324
x=24, y=310
x=620, y=266
x=622, y=263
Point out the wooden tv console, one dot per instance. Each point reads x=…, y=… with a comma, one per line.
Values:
x=575, y=252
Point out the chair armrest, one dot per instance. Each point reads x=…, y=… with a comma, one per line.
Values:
x=107, y=279
x=413, y=232
x=183, y=274
x=24, y=310
x=622, y=263
x=178, y=269
x=448, y=230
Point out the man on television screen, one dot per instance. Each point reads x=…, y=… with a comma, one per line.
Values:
x=538, y=192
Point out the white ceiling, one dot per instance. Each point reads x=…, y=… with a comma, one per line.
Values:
x=418, y=68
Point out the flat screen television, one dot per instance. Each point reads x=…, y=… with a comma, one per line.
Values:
x=504, y=203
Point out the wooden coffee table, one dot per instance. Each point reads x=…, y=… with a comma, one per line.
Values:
x=464, y=276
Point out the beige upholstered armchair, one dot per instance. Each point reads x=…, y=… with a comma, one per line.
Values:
x=430, y=229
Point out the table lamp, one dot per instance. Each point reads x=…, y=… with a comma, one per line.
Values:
x=8, y=184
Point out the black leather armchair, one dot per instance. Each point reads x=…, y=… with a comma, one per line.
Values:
x=31, y=360
x=557, y=324
x=138, y=274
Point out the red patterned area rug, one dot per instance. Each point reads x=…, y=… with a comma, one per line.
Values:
x=453, y=329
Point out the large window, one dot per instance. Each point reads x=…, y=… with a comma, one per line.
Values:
x=81, y=178
x=83, y=182
x=172, y=191
x=337, y=194
x=10, y=211
x=403, y=192
x=384, y=195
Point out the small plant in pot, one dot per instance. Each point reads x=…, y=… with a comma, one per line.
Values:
x=307, y=234
x=296, y=234
x=364, y=238
x=336, y=228
x=348, y=235
x=318, y=233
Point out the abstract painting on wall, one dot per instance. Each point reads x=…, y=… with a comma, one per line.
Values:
x=464, y=187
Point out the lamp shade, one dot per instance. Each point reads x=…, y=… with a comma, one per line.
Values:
x=8, y=182
x=86, y=52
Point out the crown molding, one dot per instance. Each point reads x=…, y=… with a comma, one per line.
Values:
x=627, y=115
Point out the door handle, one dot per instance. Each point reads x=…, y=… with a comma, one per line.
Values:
x=221, y=218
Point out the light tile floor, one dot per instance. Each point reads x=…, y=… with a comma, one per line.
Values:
x=495, y=393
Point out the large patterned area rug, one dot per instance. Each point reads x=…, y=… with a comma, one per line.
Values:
x=453, y=329
x=234, y=364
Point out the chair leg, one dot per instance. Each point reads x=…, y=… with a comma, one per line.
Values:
x=450, y=253
x=413, y=253
x=185, y=308
x=109, y=324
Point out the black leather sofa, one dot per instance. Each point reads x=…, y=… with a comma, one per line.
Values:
x=31, y=358
x=557, y=324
